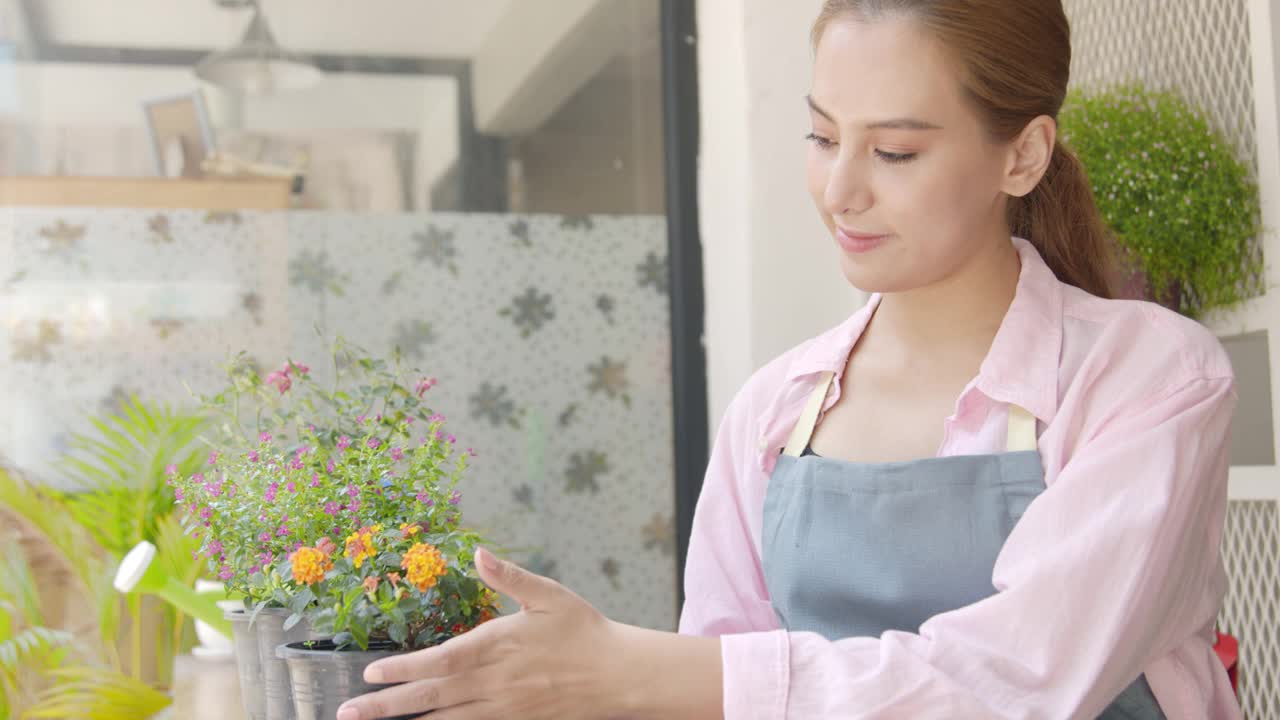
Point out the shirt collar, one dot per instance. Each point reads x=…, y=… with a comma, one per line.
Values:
x=1022, y=366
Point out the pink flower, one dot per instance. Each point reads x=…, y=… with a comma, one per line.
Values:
x=225, y=573
x=437, y=417
x=373, y=443
x=270, y=494
x=331, y=508
x=452, y=439
x=440, y=435
x=213, y=458
x=215, y=548
x=424, y=498
x=344, y=442
x=205, y=513
x=264, y=437
x=177, y=494
x=296, y=464
x=301, y=451
x=298, y=367
x=329, y=466
x=408, y=420
x=231, y=491
x=283, y=531
x=397, y=453
x=291, y=487
x=455, y=498
x=315, y=479
x=297, y=545
x=472, y=453
x=253, y=456
x=352, y=490
x=360, y=419
x=215, y=489
x=424, y=385
x=170, y=469
x=355, y=505
x=198, y=478
x=264, y=537
x=280, y=380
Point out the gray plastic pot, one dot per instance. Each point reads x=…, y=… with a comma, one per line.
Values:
x=324, y=678
x=244, y=640
x=269, y=627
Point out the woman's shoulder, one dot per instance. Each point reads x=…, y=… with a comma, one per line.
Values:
x=1146, y=345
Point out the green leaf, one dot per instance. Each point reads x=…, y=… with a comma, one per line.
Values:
x=303, y=599
x=342, y=639
x=360, y=634
x=292, y=620
x=399, y=632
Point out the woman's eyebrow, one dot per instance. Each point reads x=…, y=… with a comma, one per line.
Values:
x=892, y=124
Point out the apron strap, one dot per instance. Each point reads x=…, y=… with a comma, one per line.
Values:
x=1022, y=429
x=809, y=417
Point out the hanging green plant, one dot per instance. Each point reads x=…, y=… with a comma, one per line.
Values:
x=1183, y=207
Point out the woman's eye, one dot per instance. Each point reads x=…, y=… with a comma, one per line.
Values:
x=820, y=141
x=895, y=158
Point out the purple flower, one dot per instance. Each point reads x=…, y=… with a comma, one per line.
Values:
x=315, y=479
x=296, y=464
x=472, y=453
x=231, y=491
x=297, y=545
x=291, y=487
x=373, y=443
x=253, y=456
x=215, y=548
x=302, y=451
x=213, y=458
x=331, y=508
x=283, y=531
x=352, y=490
x=440, y=435
x=329, y=466
x=170, y=469
x=397, y=453
x=455, y=498
x=436, y=417
x=177, y=494
x=408, y=420
x=264, y=437
x=344, y=442
x=198, y=478
x=355, y=505
x=225, y=573
x=452, y=439
x=360, y=419
x=272, y=489
x=215, y=489
x=264, y=537
x=422, y=497
x=424, y=385
x=205, y=513
x=311, y=428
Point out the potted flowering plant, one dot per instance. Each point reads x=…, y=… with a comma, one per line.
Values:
x=287, y=505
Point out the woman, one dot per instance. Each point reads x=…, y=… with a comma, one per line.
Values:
x=990, y=493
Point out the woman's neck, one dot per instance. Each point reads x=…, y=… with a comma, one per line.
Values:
x=960, y=313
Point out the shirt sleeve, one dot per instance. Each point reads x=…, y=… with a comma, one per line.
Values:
x=724, y=583
x=1112, y=567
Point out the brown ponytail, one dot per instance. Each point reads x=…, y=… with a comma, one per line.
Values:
x=1016, y=58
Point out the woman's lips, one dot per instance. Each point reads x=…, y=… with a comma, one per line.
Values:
x=856, y=242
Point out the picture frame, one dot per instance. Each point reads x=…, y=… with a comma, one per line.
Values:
x=180, y=133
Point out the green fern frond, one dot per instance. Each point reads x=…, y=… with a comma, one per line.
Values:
x=97, y=694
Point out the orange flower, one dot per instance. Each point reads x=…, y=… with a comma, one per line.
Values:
x=309, y=565
x=327, y=546
x=371, y=584
x=424, y=564
x=360, y=546
x=408, y=531
x=393, y=578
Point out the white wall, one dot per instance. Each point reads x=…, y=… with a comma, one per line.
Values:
x=771, y=270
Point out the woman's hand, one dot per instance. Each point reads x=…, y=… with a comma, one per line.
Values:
x=558, y=657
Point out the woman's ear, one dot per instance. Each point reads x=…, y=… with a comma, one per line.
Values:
x=1029, y=156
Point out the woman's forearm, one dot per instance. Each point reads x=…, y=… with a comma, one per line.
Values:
x=669, y=676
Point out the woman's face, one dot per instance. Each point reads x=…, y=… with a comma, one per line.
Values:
x=900, y=167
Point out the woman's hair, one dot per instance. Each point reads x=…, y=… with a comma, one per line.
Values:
x=1015, y=58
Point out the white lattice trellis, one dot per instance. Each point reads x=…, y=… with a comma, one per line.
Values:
x=1198, y=47
x=1251, y=549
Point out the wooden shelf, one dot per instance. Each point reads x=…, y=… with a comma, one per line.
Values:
x=141, y=192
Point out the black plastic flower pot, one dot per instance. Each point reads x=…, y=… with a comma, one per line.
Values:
x=324, y=677
x=277, y=688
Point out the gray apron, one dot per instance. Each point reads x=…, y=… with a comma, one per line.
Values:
x=857, y=549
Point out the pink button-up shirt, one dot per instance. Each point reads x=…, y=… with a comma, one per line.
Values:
x=1113, y=571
